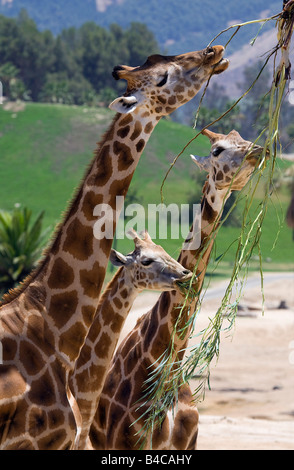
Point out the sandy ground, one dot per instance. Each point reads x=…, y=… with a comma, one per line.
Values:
x=251, y=401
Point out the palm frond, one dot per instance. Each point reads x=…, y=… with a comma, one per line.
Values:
x=21, y=245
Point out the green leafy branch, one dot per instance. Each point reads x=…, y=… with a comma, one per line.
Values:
x=163, y=383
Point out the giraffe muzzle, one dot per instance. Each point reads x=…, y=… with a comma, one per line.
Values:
x=256, y=152
x=186, y=277
x=220, y=67
x=214, y=55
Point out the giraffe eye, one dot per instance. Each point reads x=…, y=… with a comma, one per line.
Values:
x=217, y=151
x=147, y=262
x=163, y=81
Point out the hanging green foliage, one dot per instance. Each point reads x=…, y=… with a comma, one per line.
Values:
x=163, y=384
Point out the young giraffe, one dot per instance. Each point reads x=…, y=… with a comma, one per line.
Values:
x=139, y=353
x=43, y=325
x=147, y=267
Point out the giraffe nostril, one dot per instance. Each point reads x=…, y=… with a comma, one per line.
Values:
x=209, y=50
x=186, y=272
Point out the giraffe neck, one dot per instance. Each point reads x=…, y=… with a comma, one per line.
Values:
x=92, y=365
x=140, y=352
x=165, y=312
x=68, y=283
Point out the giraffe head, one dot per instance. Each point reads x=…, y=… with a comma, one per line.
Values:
x=231, y=161
x=164, y=83
x=150, y=266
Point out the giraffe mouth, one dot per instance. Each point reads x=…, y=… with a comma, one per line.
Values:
x=220, y=66
x=184, y=281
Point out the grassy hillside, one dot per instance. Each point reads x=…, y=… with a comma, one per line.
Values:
x=45, y=149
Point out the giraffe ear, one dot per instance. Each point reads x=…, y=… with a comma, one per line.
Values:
x=124, y=104
x=117, y=259
x=202, y=162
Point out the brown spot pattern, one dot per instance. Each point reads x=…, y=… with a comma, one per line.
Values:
x=54, y=441
x=116, y=323
x=88, y=312
x=140, y=145
x=137, y=131
x=62, y=275
x=71, y=340
x=37, y=421
x=90, y=201
x=207, y=211
x=148, y=128
x=43, y=391
x=9, y=346
x=63, y=306
x=31, y=358
x=90, y=280
x=184, y=424
x=55, y=418
x=103, y=168
x=102, y=348
x=126, y=120
x=120, y=187
x=123, y=132
x=219, y=176
x=162, y=342
x=79, y=240
x=124, y=392
x=124, y=154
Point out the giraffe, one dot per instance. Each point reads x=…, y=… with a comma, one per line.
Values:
x=118, y=417
x=44, y=323
x=147, y=267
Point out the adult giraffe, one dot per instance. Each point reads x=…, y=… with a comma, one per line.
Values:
x=44, y=323
x=122, y=409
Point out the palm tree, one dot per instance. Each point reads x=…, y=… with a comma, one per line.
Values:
x=13, y=87
x=21, y=245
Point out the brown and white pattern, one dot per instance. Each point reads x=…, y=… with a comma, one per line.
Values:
x=44, y=323
x=229, y=166
x=147, y=267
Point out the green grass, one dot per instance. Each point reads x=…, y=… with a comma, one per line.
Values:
x=45, y=150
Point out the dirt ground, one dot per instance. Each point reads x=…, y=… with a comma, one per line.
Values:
x=251, y=401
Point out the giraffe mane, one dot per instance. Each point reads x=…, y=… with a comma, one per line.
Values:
x=110, y=284
x=204, y=188
x=15, y=292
